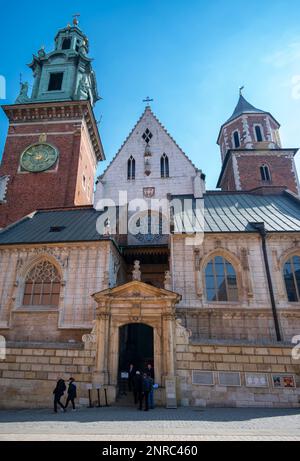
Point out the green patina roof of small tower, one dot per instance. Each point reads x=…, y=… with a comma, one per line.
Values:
x=244, y=107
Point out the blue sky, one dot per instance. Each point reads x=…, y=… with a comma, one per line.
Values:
x=191, y=56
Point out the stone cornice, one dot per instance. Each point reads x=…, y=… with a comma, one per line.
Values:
x=64, y=110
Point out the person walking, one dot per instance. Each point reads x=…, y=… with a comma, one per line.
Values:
x=138, y=389
x=72, y=394
x=58, y=393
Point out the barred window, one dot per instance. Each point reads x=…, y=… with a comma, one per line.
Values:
x=221, y=280
x=265, y=173
x=42, y=285
x=292, y=278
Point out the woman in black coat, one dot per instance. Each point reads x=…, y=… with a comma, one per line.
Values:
x=58, y=393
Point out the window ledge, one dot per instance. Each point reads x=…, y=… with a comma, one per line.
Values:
x=36, y=309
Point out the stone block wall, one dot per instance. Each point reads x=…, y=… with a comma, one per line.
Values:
x=242, y=359
x=28, y=375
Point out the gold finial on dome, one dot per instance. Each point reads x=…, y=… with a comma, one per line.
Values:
x=76, y=19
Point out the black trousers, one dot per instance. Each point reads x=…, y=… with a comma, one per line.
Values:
x=70, y=399
x=57, y=402
x=144, y=396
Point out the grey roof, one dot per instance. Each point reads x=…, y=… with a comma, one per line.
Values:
x=76, y=225
x=233, y=212
x=224, y=212
x=244, y=107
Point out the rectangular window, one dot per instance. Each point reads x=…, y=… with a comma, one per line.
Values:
x=84, y=181
x=55, y=81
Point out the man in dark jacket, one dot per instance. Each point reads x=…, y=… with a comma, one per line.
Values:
x=58, y=393
x=131, y=375
x=147, y=385
x=138, y=388
x=150, y=371
x=72, y=393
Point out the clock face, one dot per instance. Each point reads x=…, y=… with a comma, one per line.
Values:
x=39, y=157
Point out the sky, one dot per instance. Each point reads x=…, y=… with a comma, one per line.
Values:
x=190, y=56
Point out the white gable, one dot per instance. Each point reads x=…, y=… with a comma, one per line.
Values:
x=181, y=170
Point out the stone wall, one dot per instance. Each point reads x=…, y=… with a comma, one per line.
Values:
x=248, y=361
x=250, y=318
x=28, y=375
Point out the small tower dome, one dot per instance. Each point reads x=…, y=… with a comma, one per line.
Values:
x=66, y=73
x=248, y=128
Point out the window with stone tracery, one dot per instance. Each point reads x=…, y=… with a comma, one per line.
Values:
x=221, y=281
x=291, y=272
x=42, y=285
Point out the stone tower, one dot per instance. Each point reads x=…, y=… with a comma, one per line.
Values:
x=252, y=153
x=53, y=144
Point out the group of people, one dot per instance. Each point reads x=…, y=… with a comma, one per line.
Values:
x=59, y=393
x=142, y=386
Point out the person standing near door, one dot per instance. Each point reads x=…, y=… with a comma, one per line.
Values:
x=146, y=391
x=138, y=388
x=150, y=371
x=131, y=375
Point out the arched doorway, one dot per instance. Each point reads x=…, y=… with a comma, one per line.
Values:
x=136, y=346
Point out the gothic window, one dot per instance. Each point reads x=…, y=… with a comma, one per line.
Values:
x=66, y=44
x=164, y=166
x=221, y=281
x=147, y=136
x=258, y=134
x=42, y=285
x=55, y=81
x=236, y=139
x=131, y=169
x=291, y=273
x=265, y=173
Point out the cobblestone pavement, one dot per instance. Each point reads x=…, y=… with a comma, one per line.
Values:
x=128, y=424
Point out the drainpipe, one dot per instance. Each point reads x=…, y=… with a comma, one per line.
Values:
x=260, y=227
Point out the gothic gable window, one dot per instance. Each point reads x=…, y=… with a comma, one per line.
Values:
x=147, y=136
x=291, y=274
x=164, y=166
x=131, y=169
x=265, y=173
x=221, y=281
x=258, y=133
x=236, y=139
x=42, y=285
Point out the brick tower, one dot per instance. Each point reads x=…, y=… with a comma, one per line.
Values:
x=53, y=144
x=252, y=154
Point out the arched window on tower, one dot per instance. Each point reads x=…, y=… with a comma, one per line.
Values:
x=131, y=169
x=236, y=139
x=66, y=44
x=42, y=285
x=220, y=281
x=291, y=272
x=258, y=133
x=265, y=173
x=164, y=166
